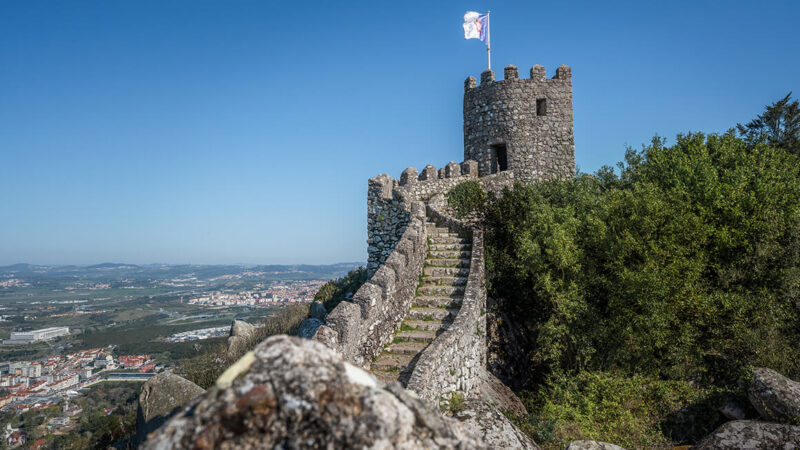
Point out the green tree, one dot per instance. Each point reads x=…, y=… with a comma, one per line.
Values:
x=466, y=197
x=778, y=125
x=683, y=268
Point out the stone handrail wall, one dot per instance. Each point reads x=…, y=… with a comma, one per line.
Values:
x=452, y=363
x=359, y=330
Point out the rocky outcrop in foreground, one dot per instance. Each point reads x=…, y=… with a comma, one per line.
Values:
x=160, y=397
x=775, y=397
x=751, y=434
x=497, y=431
x=298, y=393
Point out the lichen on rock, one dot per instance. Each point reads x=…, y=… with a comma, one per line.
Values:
x=775, y=397
x=751, y=434
x=300, y=394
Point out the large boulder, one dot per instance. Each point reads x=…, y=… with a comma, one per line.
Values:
x=308, y=327
x=592, y=445
x=317, y=311
x=492, y=391
x=242, y=328
x=775, y=397
x=241, y=338
x=297, y=393
x=160, y=397
x=751, y=434
x=497, y=431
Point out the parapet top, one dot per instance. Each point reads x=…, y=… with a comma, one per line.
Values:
x=564, y=73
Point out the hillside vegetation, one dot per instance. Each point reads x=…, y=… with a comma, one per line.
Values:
x=645, y=293
x=333, y=292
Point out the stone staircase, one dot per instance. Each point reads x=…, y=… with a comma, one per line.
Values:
x=437, y=301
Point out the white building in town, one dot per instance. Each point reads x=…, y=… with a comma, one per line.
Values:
x=29, y=337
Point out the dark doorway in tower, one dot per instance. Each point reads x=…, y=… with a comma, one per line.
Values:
x=500, y=159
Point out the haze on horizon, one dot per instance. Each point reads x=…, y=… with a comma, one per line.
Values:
x=215, y=133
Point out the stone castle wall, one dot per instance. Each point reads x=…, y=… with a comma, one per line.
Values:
x=389, y=200
x=387, y=219
x=413, y=187
x=540, y=144
x=359, y=330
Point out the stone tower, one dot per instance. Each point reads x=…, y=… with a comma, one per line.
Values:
x=521, y=125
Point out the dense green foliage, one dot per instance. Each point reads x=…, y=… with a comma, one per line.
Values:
x=682, y=268
x=205, y=368
x=334, y=291
x=466, y=197
x=778, y=126
x=633, y=411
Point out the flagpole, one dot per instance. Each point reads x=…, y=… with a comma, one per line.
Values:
x=489, y=39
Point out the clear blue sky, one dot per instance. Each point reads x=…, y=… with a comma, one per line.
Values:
x=245, y=131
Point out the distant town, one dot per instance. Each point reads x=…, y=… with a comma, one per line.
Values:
x=32, y=384
x=68, y=331
x=296, y=291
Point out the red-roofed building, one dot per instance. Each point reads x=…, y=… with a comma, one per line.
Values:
x=63, y=383
x=17, y=387
x=17, y=437
x=39, y=387
x=133, y=361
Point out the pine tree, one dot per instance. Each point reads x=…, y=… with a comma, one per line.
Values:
x=778, y=126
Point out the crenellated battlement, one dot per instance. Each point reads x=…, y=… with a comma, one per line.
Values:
x=511, y=73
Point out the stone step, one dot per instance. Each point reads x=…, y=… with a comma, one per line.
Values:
x=390, y=377
x=437, y=230
x=449, y=240
x=444, y=281
x=417, y=335
x=448, y=262
x=406, y=348
x=438, y=301
x=436, y=291
x=390, y=361
x=427, y=325
x=386, y=377
x=432, y=314
x=442, y=235
x=451, y=247
x=433, y=228
x=449, y=254
x=446, y=271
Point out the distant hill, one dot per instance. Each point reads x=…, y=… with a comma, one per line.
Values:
x=120, y=271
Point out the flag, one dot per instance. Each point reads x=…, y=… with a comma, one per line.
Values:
x=476, y=26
